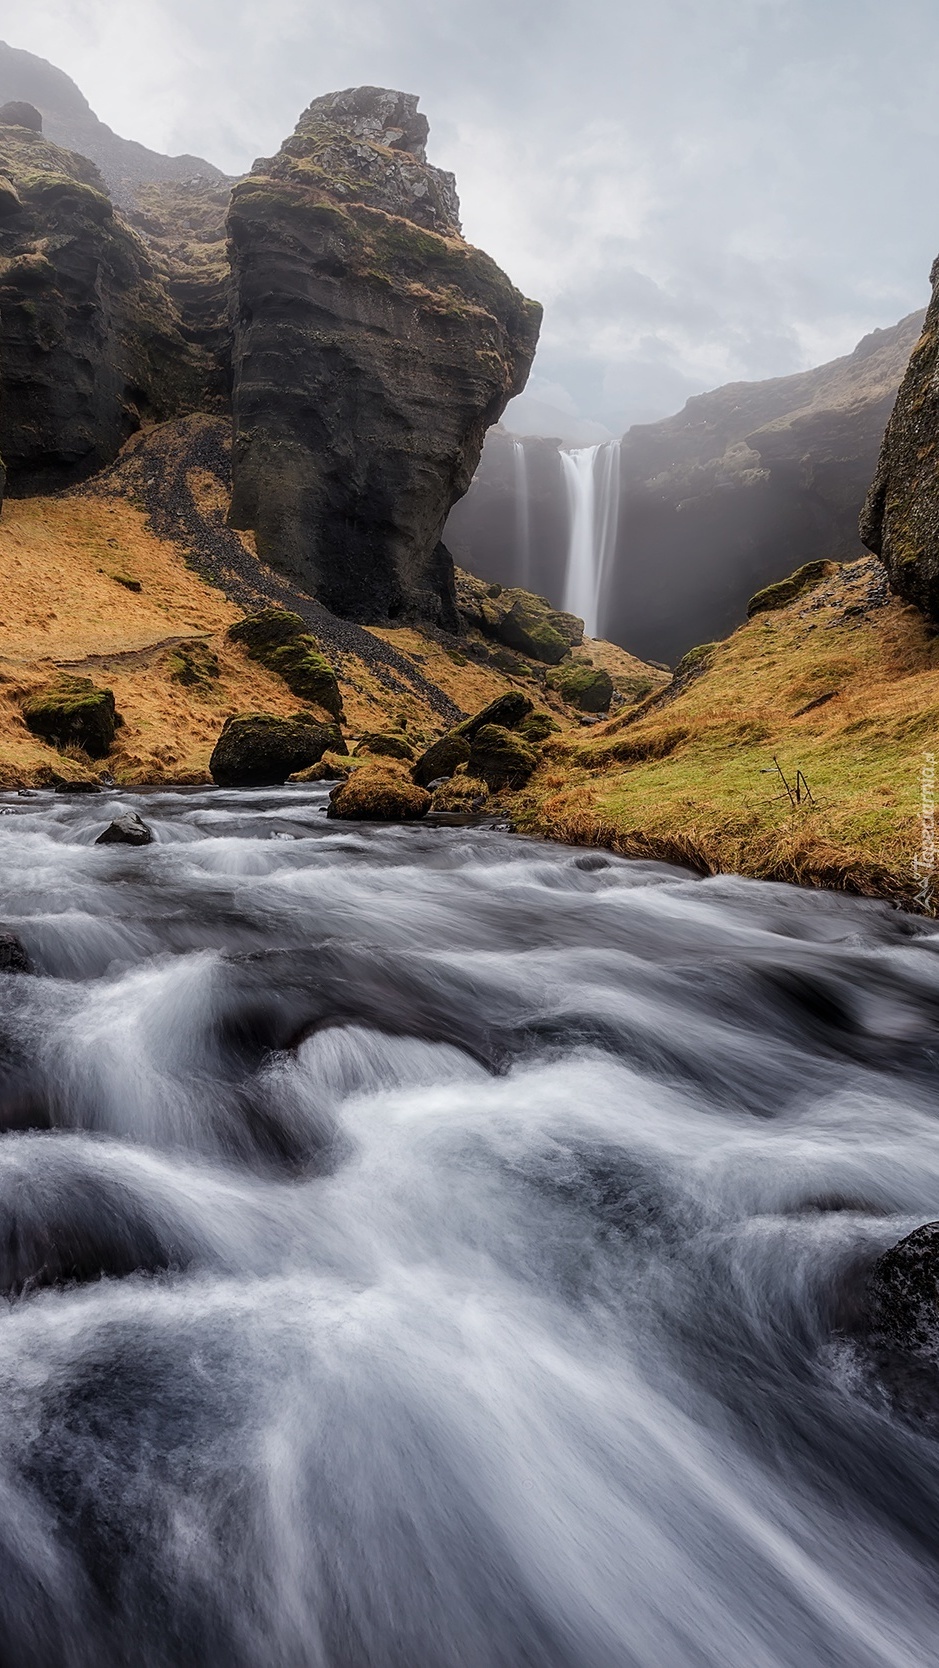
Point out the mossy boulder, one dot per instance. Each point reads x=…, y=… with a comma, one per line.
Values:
x=500, y=758
x=74, y=713
x=385, y=745
x=460, y=794
x=194, y=665
x=519, y=619
x=786, y=590
x=442, y=758
x=280, y=641
x=696, y=661
x=506, y=710
x=331, y=768
x=379, y=795
x=537, y=727
x=256, y=749
x=588, y=688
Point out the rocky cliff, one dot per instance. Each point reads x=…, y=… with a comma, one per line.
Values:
x=900, y=519
x=91, y=344
x=372, y=349
x=733, y=492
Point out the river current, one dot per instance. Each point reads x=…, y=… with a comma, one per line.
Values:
x=427, y=1248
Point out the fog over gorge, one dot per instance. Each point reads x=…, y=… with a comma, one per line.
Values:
x=469, y=892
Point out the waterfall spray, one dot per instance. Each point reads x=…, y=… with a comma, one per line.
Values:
x=591, y=479
x=522, y=520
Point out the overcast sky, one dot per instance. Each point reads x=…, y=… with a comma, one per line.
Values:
x=697, y=190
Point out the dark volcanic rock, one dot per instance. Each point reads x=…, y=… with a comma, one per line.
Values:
x=900, y=520
x=904, y=1294
x=90, y=341
x=441, y=759
x=258, y=750
x=14, y=957
x=372, y=349
x=126, y=830
x=74, y=713
x=506, y=710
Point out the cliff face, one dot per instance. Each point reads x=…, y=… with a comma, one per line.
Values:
x=372, y=348
x=90, y=343
x=743, y=485
x=900, y=519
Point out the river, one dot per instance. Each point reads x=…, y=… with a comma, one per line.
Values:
x=428, y=1248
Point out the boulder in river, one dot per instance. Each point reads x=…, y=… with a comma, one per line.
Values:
x=126, y=830
x=14, y=957
x=378, y=796
x=256, y=749
x=904, y=1294
x=73, y=712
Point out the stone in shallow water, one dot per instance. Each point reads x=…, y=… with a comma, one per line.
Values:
x=13, y=954
x=126, y=830
x=904, y=1294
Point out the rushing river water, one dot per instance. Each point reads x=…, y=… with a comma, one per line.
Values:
x=482, y=1226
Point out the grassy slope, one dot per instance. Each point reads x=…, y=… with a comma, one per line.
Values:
x=710, y=802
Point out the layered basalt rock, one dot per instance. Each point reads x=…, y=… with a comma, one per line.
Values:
x=90, y=343
x=900, y=519
x=372, y=348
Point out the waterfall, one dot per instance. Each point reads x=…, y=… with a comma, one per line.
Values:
x=522, y=520
x=591, y=480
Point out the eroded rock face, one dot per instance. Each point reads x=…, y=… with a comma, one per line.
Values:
x=900, y=520
x=372, y=348
x=90, y=343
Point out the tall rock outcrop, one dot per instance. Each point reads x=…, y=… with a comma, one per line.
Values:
x=900, y=519
x=372, y=348
x=90, y=342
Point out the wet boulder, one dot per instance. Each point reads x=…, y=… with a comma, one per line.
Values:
x=374, y=795
x=256, y=749
x=73, y=712
x=506, y=710
x=501, y=759
x=14, y=957
x=126, y=830
x=903, y=1294
x=442, y=758
x=588, y=688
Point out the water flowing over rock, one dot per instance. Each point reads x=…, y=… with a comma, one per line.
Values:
x=372, y=349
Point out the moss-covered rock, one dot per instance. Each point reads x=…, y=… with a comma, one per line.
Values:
x=786, y=590
x=379, y=794
x=442, y=758
x=696, y=661
x=256, y=749
x=537, y=727
x=74, y=713
x=588, y=688
x=520, y=620
x=194, y=665
x=280, y=641
x=506, y=710
x=385, y=745
x=461, y=793
x=331, y=768
x=500, y=758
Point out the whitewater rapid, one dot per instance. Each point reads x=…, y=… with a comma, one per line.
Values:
x=426, y=1248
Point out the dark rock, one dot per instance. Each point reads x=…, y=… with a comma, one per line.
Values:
x=441, y=759
x=506, y=710
x=193, y=664
x=537, y=727
x=588, y=688
x=258, y=750
x=903, y=1294
x=126, y=830
x=73, y=713
x=90, y=341
x=14, y=957
x=518, y=619
x=17, y=114
x=78, y=786
x=372, y=349
x=385, y=745
x=900, y=519
x=501, y=759
x=378, y=796
x=280, y=641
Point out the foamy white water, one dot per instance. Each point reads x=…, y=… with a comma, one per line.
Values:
x=433, y=1249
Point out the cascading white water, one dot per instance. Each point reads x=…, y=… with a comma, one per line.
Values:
x=522, y=517
x=591, y=480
